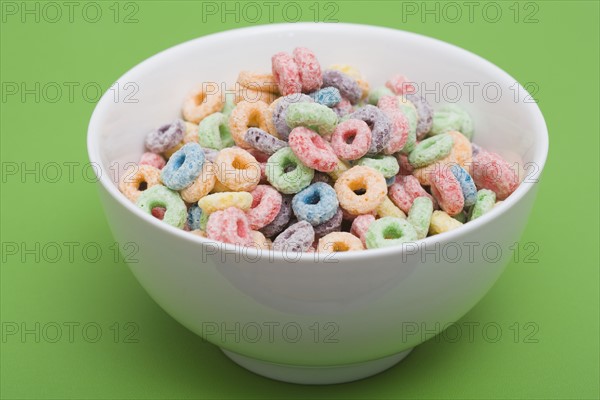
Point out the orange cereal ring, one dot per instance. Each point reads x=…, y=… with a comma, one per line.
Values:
x=360, y=190
x=252, y=96
x=339, y=241
x=204, y=183
x=237, y=169
x=169, y=152
x=264, y=82
x=137, y=179
x=202, y=102
x=191, y=133
x=244, y=116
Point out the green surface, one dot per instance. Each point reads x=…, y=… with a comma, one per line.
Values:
x=552, y=304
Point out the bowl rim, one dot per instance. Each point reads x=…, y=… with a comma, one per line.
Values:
x=93, y=139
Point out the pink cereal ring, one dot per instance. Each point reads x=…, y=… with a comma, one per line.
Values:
x=266, y=203
x=399, y=84
x=152, y=159
x=312, y=149
x=447, y=190
x=309, y=69
x=351, y=139
x=360, y=226
x=491, y=171
x=229, y=226
x=286, y=74
x=405, y=190
x=400, y=124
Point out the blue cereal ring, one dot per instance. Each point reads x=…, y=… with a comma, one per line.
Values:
x=466, y=184
x=315, y=204
x=183, y=167
x=328, y=96
x=193, y=218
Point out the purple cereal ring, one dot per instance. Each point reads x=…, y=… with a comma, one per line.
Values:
x=424, y=113
x=282, y=128
x=296, y=238
x=263, y=141
x=281, y=219
x=379, y=123
x=165, y=137
x=333, y=224
x=347, y=86
x=351, y=139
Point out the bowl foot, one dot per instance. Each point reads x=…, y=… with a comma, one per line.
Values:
x=318, y=375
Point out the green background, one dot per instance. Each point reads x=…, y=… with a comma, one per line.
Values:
x=552, y=303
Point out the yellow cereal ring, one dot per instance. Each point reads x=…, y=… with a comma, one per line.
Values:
x=339, y=241
x=259, y=82
x=387, y=208
x=202, y=101
x=339, y=170
x=237, y=169
x=442, y=222
x=220, y=201
x=402, y=101
x=244, y=116
x=363, y=179
x=135, y=176
x=191, y=133
x=260, y=241
x=204, y=183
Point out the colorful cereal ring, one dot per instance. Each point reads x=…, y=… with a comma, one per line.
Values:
x=286, y=173
x=312, y=150
x=183, y=167
x=420, y=215
x=389, y=231
x=161, y=196
x=315, y=204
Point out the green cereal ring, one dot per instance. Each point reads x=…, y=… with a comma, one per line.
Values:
x=203, y=220
x=311, y=115
x=419, y=215
x=430, y=150
x=286, y=173
x=411, y=115
x=389, y=231
x=387, y=165
x=452, y=117
x=486, y=199
x=160, y=196
x=229, y=104
x=377, y=93
x=213, y=132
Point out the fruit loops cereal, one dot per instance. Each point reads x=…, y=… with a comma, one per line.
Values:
x=317, y=161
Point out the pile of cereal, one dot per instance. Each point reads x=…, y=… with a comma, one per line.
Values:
x=306, y=159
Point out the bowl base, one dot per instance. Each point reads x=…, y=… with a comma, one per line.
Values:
x=318, y=375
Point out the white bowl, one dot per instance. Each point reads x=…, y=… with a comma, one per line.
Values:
x=299, y=319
